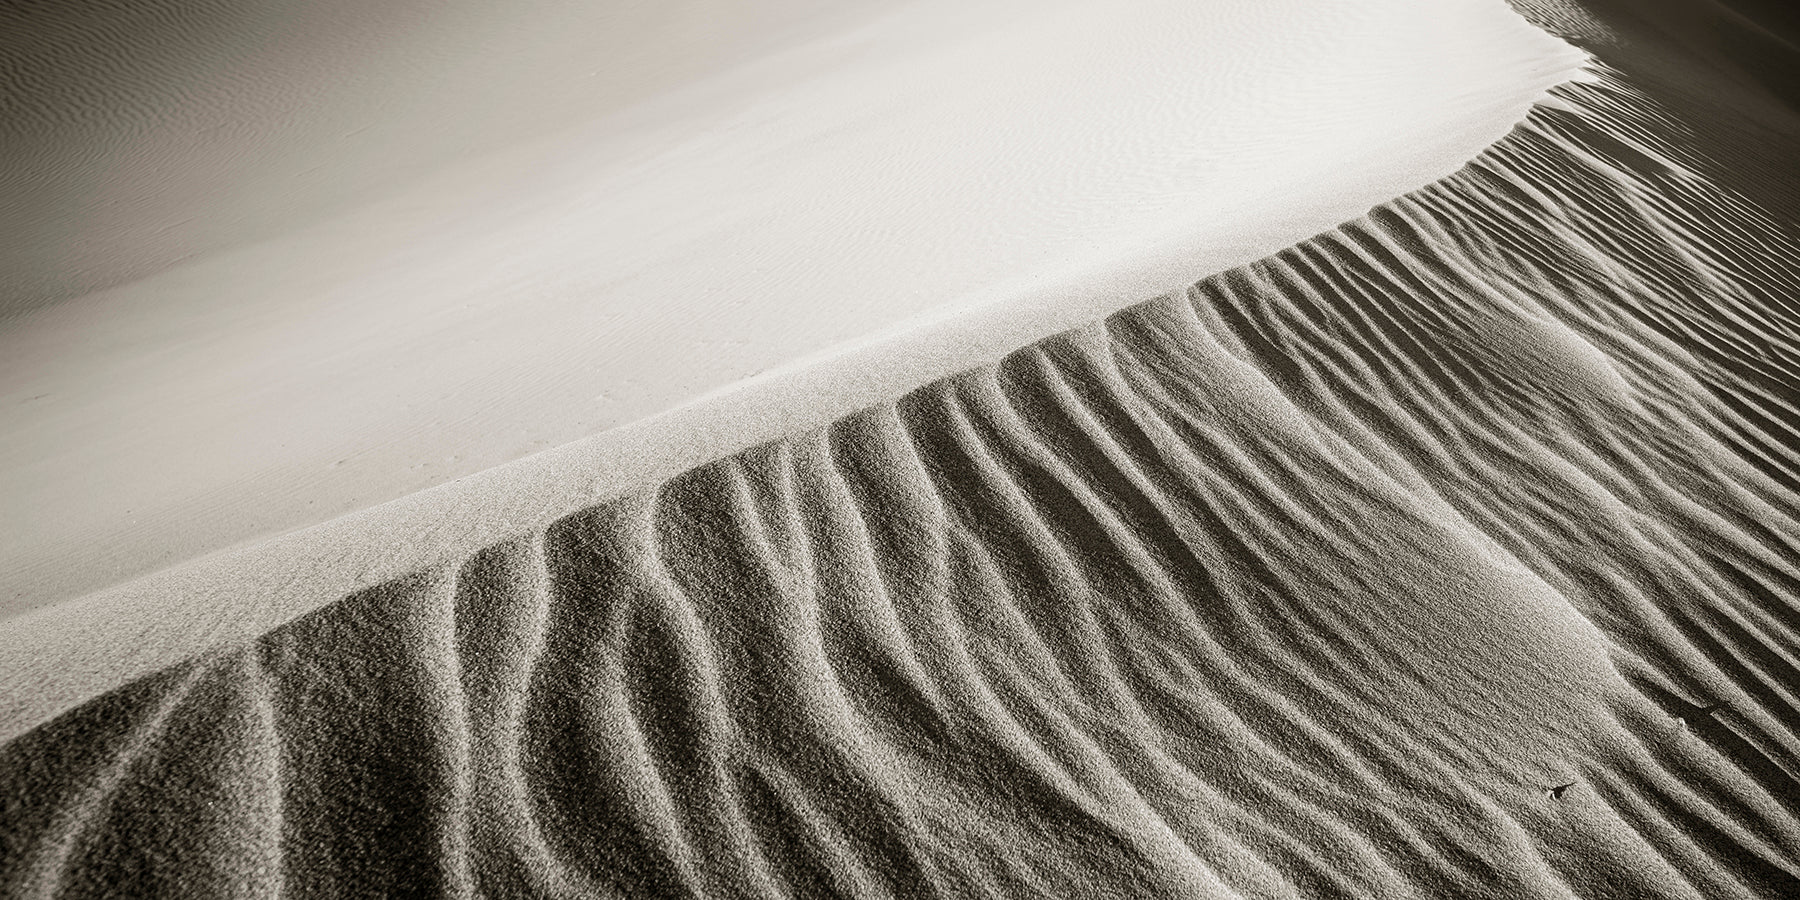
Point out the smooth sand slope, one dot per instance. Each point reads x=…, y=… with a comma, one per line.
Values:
x=422, y=244
x=1452, y=552
x=140, y=134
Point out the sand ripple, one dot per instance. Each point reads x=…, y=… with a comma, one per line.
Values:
x=1451, y=553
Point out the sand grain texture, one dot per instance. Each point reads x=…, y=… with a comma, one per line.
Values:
x=1453, y=552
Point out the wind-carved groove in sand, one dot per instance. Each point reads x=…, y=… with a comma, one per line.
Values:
x=1452, y=552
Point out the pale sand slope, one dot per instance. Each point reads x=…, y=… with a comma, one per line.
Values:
x=138, y=134
x=472, y=243
x=1452, y=552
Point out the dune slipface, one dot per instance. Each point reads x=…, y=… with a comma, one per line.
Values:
x=1450, y=553
x=317, y=257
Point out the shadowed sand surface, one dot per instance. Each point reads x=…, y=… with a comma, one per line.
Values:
x=1452, y=552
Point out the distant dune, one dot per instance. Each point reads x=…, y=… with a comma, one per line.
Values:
x=1452, y=552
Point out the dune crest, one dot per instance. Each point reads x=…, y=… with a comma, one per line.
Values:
x=1451, y=552
x=514, y=261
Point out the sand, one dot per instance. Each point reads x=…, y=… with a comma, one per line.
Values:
x=589, y=262
x=1452, y=551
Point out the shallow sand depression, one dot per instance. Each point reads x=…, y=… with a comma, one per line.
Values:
x=865, y=171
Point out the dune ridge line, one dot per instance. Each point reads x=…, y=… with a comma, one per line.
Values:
x=1452, y=551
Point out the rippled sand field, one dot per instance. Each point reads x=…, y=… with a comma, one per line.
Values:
x=1452, y=552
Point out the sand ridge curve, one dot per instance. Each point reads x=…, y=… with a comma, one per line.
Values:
x=1450, y=553
x=571, y=268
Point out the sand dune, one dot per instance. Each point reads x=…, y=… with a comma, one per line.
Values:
x=422, y=248
x=1452, y=552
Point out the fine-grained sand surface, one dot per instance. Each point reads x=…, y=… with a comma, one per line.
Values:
x=518, y=264
x=1451, y=552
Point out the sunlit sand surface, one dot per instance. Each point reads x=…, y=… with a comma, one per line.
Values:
x=1449, y=549
x=613, y=260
